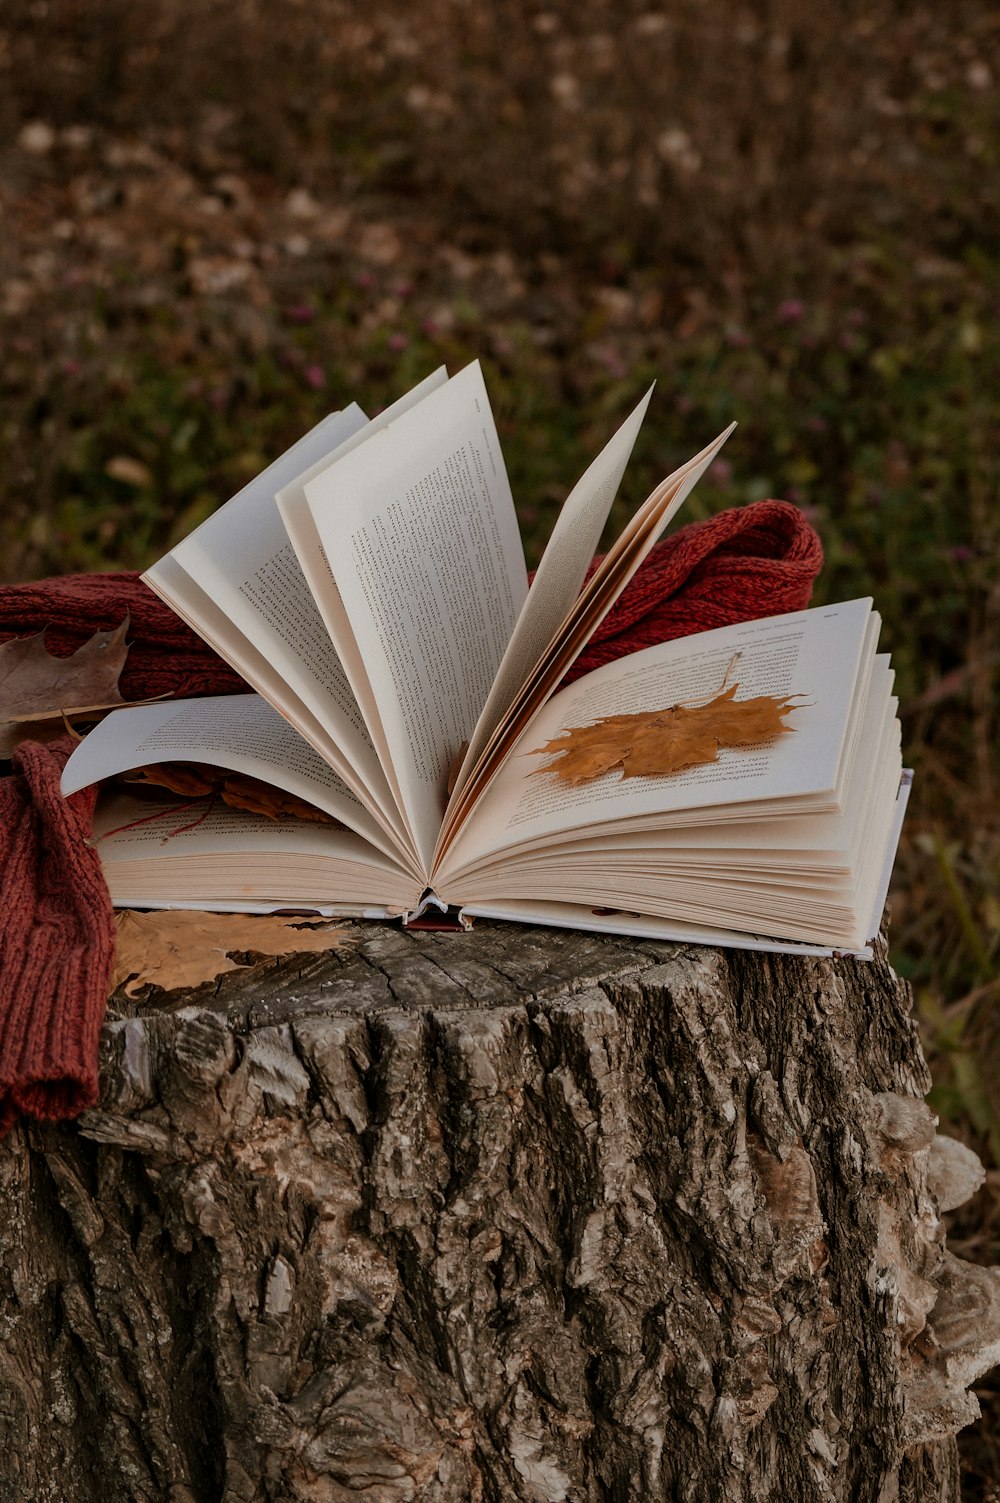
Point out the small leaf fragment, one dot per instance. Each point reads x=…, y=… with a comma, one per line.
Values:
x=658, y=743
x=179, y=948
x=36, y=687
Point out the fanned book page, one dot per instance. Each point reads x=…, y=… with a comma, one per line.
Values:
x=419, y=529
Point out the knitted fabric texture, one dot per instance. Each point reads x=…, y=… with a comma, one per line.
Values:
x=57, y=945
x=750, y=561
x=57, y=942
x=166, y=656
x=58, y=939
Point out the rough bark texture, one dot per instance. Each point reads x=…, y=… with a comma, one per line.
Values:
x=514, y=1215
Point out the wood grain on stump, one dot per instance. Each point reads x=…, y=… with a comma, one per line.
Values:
x=512, y=1215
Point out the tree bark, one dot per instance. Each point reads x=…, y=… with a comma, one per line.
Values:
x=512, y=1215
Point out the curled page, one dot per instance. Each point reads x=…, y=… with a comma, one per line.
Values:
x=419, y=529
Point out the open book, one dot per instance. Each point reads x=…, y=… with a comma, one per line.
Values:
x=371, y=586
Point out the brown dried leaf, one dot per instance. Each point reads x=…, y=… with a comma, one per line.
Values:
x=242, y=792
x=237, y=789
x=37, y=689
x=177, y=948
x=189, y=779
x=656, y=743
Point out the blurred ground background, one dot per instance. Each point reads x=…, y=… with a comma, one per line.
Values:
x=223, y=218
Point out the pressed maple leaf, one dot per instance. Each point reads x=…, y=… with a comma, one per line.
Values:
x=656, y=743
x=178, y=948
x=237, y=789
x=38, y=690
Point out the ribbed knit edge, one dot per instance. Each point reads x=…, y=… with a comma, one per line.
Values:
x=57, y=943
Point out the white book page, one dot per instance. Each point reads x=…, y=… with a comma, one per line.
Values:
x=363, y=775
x=242, y=560
x=291, y=496
x=293, y=505
x=229, y=860
x=639, y=926
x=588, y=611
x=820, y=842
x=238, y=731
x=419, y=529
x=659, y=877
x=878, y=819
x=889, y=856
x=815, y=653
x=560, y=574
x=826, y=839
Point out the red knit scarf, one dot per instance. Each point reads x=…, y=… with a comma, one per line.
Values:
x=57, y=936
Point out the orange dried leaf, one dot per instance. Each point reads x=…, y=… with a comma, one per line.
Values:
x=37, y=689
x=178, y=948
x=242, y=792
x=656, y=743
x=190, y=780
x=237, y=789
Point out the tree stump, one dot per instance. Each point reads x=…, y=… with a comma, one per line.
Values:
x=513, y=1215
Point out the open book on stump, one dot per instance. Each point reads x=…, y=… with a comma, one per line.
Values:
x=371, y=586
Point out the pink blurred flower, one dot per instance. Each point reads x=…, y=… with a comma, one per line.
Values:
x=398, y=342
x=720, y=472
x=791, y=310
x=302, y=313
x=315, y=376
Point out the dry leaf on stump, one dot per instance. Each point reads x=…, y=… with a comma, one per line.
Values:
x=179, y=948
x=656, y=743
x=37, y=690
